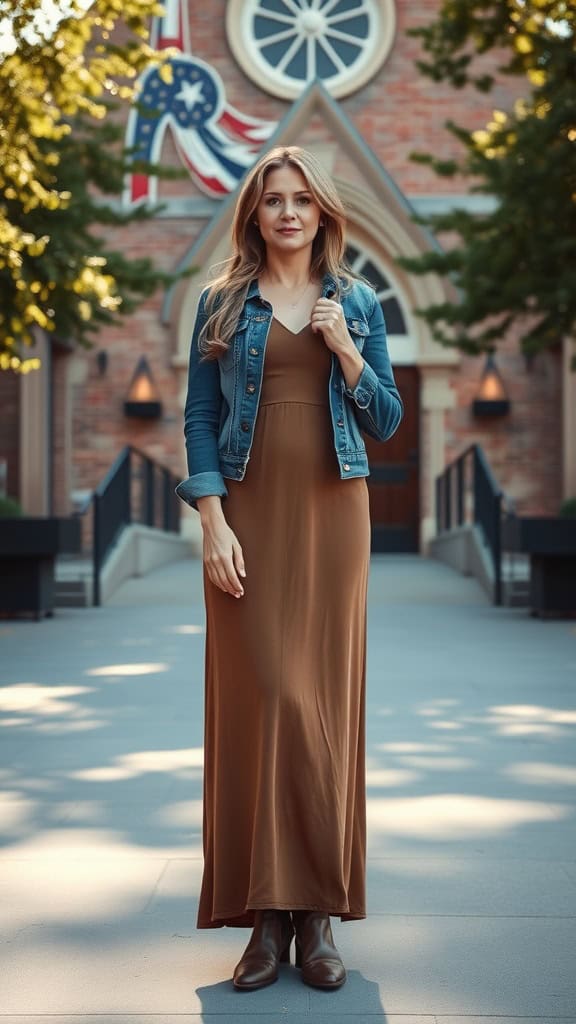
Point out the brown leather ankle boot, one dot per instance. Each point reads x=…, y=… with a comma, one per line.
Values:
x=316, y=953
x=269, y=945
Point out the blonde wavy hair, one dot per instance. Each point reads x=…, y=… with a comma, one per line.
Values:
x=227, y=292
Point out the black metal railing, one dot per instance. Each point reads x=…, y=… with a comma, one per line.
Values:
x=136, y=489
x=467, y=492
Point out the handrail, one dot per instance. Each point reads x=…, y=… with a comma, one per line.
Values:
x=136, y=489
x=467, y=492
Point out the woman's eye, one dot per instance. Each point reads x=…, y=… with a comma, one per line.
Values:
x=272, y=200
x=304, y=200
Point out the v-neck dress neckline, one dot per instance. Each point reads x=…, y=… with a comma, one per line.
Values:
x=286, y=328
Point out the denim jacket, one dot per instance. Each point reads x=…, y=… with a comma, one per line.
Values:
x=224, y=394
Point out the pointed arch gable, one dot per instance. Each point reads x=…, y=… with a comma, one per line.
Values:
x=377, y=209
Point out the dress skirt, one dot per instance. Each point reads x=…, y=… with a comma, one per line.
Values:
x=284, y=769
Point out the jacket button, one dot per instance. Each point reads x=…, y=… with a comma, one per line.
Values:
x=340, y=423
x=253, y=351
x=346, y=467
x=251, y=389
x=245, y=427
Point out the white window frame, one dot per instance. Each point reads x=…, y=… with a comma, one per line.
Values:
x=239, y=19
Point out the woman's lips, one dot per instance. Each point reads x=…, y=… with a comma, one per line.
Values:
x=288, y=231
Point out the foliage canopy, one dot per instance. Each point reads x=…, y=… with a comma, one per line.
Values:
x=58, y=148
x=516, y=265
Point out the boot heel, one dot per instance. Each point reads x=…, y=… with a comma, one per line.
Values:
x=298, y=955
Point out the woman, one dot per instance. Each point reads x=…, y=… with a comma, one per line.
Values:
x=288, y=364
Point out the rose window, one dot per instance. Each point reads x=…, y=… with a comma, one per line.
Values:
x=283, y=45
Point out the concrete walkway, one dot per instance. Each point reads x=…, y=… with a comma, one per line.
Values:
x=472, y=826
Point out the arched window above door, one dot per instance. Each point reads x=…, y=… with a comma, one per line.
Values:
x=362, y=263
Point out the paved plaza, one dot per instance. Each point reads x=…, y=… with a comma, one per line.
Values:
x=471, y=776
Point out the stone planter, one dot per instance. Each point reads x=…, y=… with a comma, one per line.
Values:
x=551, y=545
x=28, y=550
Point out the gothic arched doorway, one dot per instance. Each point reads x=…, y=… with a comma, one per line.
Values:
x=393, y=484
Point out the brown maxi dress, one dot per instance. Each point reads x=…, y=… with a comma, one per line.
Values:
x=284, y=773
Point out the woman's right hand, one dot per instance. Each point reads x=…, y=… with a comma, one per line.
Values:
x=222, y=553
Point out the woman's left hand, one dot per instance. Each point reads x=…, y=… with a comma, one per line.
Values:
x=328, y=318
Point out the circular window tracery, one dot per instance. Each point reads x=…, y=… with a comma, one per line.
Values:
x=283, y=45
x=362, y=264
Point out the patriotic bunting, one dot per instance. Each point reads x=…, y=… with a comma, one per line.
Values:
x=215, y=142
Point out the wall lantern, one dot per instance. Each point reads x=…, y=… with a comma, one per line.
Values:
x=491, y=399
x=143, y=400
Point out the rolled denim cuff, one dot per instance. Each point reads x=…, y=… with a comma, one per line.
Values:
x=365, y=389
x=200, y=486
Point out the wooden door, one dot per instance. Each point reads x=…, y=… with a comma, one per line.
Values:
x=393, y=484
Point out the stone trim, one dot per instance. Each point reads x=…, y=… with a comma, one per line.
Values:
x=568, y=420
x=35, y=431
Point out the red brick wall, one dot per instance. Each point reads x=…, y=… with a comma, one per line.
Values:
x=524, y=448
x=397, y=112
x=61, y=505
x=10, y=428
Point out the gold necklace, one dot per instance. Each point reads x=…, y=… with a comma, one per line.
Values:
x=293, y=305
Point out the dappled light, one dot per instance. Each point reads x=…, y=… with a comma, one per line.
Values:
x=377, y=778
x=47, y=709
x=530, y=712
x=80, y=875
x=457, y=815
x=526, y=719
x=42, y=700
x=542, y=774
x=430, y=763
x=185, y=630
x=128, y=766
x=445, y=724
x=469, y=827
x=408, y=747
x=182, y=814
x=16, y=813
x=140, y=669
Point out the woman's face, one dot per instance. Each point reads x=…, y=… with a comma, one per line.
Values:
x=288, y=216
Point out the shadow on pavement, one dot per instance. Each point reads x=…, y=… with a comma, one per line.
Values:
x=358, y=996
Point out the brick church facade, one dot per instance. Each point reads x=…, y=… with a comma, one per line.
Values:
x=337, y=77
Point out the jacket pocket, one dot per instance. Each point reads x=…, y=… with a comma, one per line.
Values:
x=229, y=358
x=358, y=330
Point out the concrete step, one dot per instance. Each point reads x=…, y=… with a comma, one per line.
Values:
x=73, y=593
x=516, y=592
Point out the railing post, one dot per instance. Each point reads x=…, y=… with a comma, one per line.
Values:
x=497, y=549
x=460, y=491
x=128, y=488
x=447, y=498
x=438, y=504
x=166, y=517
x=476, y=483
x=96, y=551
x=150, y=496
